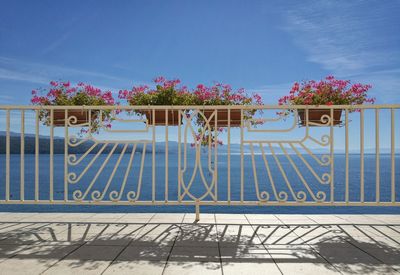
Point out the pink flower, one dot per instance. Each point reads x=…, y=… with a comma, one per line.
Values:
x=159, y=79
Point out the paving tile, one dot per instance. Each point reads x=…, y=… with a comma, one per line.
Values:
x=86, y=259
x=232, y=222
x=304, y=221
x=192, y=268
x=14, y=216
x=7, y=251
x=386, y=231
x=261, y=216
x=73, y=267
x=360, y=219
x=110, y=240
x=291, y=216
x=196, y=254
x=350, y=259
x=299, y=260
x=327, y=219
x=197, y=235
x=156, y=235
x=35, y=259
x=145, y=253
x=245, y=244
x=96, y=252
x=108, y=215
x=250, y=267
x=353, y=230
x=230, y=217
x=241, y=253
x=133, y=220
x=232, y=235
x=261, y=219
x=137, y=267
x=204, y=219
x=139, y=215
x=375, y=241
x=283, y=240
x=67, y=237
x=387, y=219
x=167, y=218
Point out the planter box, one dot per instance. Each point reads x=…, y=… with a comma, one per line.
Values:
x=82, y=116
x=159, y=117
x=222, y=117
x=315, y=115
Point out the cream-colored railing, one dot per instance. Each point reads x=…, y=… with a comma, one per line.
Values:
x=267, y=158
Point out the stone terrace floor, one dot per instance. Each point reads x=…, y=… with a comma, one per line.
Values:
x=72, y=243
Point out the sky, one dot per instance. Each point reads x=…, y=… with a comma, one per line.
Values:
x=262, y=46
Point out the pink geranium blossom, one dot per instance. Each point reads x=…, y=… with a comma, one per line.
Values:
x=64, y=94
x=329, y=91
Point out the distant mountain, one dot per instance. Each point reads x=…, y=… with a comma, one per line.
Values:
x=44, y=147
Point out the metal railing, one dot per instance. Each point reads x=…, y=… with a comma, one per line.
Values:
x=266, y=158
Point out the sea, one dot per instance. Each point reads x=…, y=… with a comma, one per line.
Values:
x=269, y=176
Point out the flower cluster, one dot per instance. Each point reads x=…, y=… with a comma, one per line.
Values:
x=64, y=94
x=223, y=94
x=165, y=92
x=329, y=91
x=170, y=92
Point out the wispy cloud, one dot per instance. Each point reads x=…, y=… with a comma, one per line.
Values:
x=21, y=76
x=346, y=36
x=17, y=70
x=55, y=44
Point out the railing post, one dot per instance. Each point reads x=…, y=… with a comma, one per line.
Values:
x=197, y=210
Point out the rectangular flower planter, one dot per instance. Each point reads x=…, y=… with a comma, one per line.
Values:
x=316, y=116
x=222, y=117
x=159, y=117
x=82, y=116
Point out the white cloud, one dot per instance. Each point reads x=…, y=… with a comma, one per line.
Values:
x=21, y=76
x=346, y=36
x=17, y=70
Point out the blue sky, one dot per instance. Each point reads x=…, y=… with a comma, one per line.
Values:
x=263, y=46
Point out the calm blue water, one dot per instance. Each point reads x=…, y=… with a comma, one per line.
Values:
x=197, y=187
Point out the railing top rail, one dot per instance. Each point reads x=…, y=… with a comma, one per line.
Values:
x=199, y=107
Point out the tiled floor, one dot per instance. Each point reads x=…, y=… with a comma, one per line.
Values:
x=71, y=243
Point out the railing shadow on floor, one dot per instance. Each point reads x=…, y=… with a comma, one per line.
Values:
x=334, y=245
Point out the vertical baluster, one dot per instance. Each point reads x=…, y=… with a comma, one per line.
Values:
x=392, y=153
x=229, y=155
x=37, y=156
x=347, y=155
x=241, y=158
x=362, y=155
x=215, y=156
x=377, y=155
x=65, y=155
x=22, y=157
x=7, y=155
x=153, y=168
x=51, y=153
x=166, y=155
x=332, y=158
x=179, y=156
